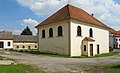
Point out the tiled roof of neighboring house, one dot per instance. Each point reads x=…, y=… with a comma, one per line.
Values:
x=116, y=34
x=25, y=38
x=112, y=30
x=72, y=12
x=5, y=35
x=88, y=39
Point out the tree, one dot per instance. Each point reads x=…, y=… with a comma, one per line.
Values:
x=26, y=31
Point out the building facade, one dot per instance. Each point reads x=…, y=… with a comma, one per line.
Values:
x=22, y=42
x=72, y=31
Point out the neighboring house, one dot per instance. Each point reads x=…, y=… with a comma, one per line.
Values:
x=116, y=40
x=25, y=42
x=6, y=40
x=111, y=38
x=72, y=31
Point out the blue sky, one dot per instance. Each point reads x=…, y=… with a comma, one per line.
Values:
x=15, y=15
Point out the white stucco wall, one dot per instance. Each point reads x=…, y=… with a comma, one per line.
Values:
x=85, y=53
x=56, y=44
x=100, y=35
x=6, y=44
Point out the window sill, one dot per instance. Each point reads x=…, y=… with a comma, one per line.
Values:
x=79, y=36
x=91, y=37
x=60, y=36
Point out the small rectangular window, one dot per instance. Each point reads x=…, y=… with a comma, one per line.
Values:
x=84, y=47
x=23, y=46
x=35, y=46
x=17, y=46
x=9, y=44
x=98, y=49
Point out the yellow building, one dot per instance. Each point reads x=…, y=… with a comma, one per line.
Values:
x=24, y=42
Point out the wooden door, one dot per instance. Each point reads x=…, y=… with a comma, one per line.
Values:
x=91, y=49
x=1, y=45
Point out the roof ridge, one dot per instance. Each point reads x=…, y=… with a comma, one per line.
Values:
x=68, y=7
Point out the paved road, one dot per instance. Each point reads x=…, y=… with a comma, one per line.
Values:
x=57, y=65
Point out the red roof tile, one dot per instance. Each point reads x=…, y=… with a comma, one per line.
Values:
x=88, y=39
x=72, y=12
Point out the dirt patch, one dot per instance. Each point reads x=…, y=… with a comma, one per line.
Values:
x=6, y=62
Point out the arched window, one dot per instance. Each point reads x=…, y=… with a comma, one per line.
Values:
x=43, y=33
x=50, y=32
x=60, y=31
x=79, y=31
x=35, y=46
x=91, y=32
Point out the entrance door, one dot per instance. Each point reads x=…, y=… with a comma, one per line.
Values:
x=98, y=51
x=91, y=49
x=1, y=45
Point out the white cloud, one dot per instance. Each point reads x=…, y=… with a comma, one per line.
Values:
x=108, y=11
x=42, y=7
x=30, y=23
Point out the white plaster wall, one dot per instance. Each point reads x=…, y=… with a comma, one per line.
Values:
x=20, y=44
x=55, y=44
x=6, y=44
x=100, y=35
x=82, y=49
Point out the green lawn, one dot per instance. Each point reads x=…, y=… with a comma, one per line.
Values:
x=1, y=57
x=106, y=54
x=62, y=56
x=20, y=68
x=99, y=55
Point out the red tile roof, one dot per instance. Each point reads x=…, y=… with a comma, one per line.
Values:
x=88, y=39
x=116, y=34
x=72, y=12
x=112, y=30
